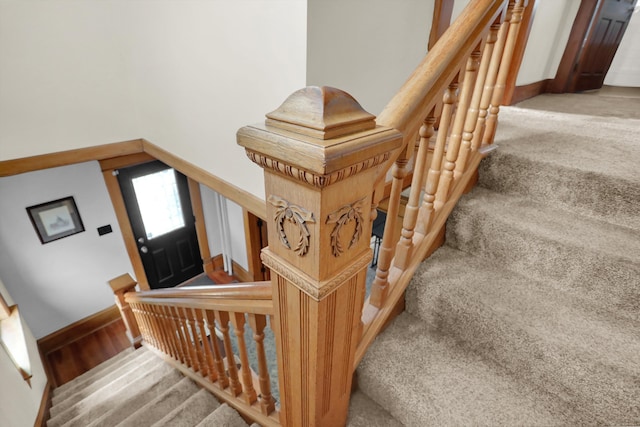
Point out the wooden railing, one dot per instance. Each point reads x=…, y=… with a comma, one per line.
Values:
x=203, y=332
x=325, y=164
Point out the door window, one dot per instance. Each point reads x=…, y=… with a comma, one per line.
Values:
x=159, y=203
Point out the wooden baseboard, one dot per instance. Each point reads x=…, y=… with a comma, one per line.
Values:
x=242, y=274
x=520, y=93
x=78, y=329
x=45, y=406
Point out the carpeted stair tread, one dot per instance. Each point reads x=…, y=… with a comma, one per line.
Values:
x=364, y=412
x=577, y=254
x=224, y=416
x=100, y=369
x=104, y=399
x=143, y=396
x=159, y=407
x=114, y=379
x=191, y=411
x=534, y=333
x=91, y=377
x=423, y=378
x=558, y=160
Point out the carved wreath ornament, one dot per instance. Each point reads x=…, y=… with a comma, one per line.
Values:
x=295, y=214
x=340, y=218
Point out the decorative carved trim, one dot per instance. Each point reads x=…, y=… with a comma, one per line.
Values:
x=295, y=214
x=341, y=217
x=311, y=178
x=315, y=289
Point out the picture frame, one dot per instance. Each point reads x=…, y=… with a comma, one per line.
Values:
x=56, y=219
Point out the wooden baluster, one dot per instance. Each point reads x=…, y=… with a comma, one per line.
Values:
x=455, y=139
x=223, y=380
x=403, y=250
x=162, y=332
x=206, y=343
x=155, y=324
x=176, y=336
x=258, y=323
x=183, y=336
x=189, y=338
x=505, y=66
x=138, y=316
x=490, y=81
x=380, y=286
x=472, y=113
x=120, y=286
x=425, y=215
x=238, y=321
x=167, y=331
x=151, y=327
x=196, y=341
x=222, y=317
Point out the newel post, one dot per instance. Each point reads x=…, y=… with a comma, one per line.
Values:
x=321, y=154
x=120, y=286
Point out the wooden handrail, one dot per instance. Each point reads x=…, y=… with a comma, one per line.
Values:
x=408, y=108
x=239, y=291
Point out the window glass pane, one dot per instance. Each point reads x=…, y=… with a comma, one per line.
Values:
x=159, y=202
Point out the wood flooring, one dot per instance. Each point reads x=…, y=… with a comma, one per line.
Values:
x=79, y=356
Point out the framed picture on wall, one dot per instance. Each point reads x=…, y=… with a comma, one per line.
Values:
x=56, y=219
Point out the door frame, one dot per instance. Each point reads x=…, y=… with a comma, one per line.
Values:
x=108, y=167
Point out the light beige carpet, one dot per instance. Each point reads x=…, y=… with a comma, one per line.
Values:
x=530, y=313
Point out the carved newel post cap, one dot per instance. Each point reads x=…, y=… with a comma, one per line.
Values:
x=321, y=112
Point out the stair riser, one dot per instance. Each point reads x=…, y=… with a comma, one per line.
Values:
x=609, y=282
x=586, y=193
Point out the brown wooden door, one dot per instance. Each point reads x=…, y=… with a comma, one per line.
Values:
x=602, y=40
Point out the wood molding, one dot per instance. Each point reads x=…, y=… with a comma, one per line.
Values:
x=78, y=329
x=442, y=12
x=65, y=158
x=254, y=244
x=518, y=52
x=245, y=199
x=579, y=30
x=113, y=187
x=529, y=91
x=201, y=229
x=125, y=161
x=238, y=271
x=45, y=406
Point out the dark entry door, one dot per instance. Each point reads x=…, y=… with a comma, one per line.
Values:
x=607, y=28
x=157, y=200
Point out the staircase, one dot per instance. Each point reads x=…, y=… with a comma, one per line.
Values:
x=530, y=313
x=137, y=388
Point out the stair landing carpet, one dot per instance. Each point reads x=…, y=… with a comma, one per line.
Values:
x=530, y=315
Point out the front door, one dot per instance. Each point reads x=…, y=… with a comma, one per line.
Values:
x=600, y=45
x=159, y=208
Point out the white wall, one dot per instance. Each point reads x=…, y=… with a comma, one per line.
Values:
x=183, y=74
x=19, y=403
x=60, y=282
x=236, y=227
x=548, y=38
x=62, y=77
x=367, y=48
x=203, y=69
x=625, y=69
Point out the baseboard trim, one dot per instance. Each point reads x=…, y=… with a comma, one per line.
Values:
x=78, y=329
x=243, y=275
x=520, y=93
x=45, y=406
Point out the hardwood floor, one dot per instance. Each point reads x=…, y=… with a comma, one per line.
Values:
x=73, y=359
